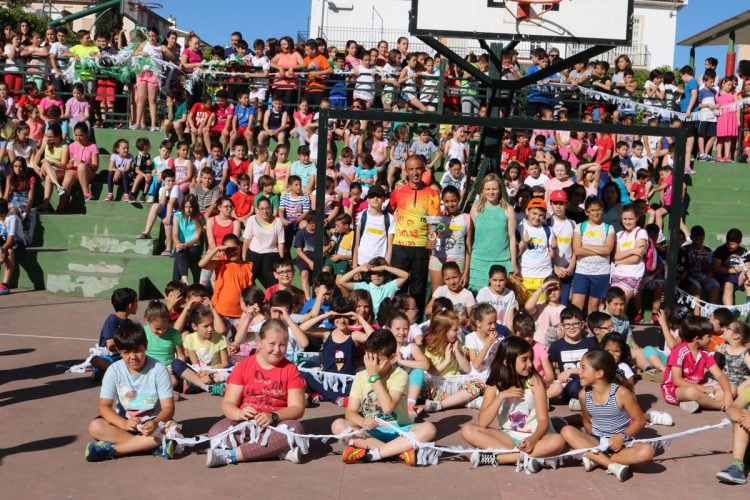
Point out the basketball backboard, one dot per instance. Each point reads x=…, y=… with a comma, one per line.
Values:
x=601, y=22
x=129, y=9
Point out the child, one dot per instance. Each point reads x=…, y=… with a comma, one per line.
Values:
x=566, y=354
x=736, y=352
x=206, y=347
x=462, y=299
x=252, y=301
x=524, y=327
x=513, y=180
x=19, y=187
x=169, y=201
x=615, y=344
x=120, y=170
x=293, y=208
x=266, y=186
x=242, y=127
x=515, y=395
x=379, y=392
x=345, y=171
x=281, y=168
x=482, y=343
x=375, y=230
x=238, y=164
x=77, y=108
x=380, y=289
x=410, y=358
x=144, y=168
x=537, y=246
x=449, y=243
x=399, y=152
x=707, y=126
x=232, y=276
x=546, y=315
x=177, y=116
x=184, y=170
x=738, y=412
x=201, y=118
x=684, y=382
x=206, y=194
x=611, y=417
x=161, y=163
x=275, y=123
x=366, y=174
x=499, y=296
x=454, y=176
x=425, y=146
x=378, y=148
x=339, y=350
x=259, y=166
x=564, y=261
x=726, y=126
x=125, y=303
x=243, y=200
x=141, y=387
x=535, y=177
x=187, y=230
x=342, y=253
x=614, y=303
x=305, y=170
x=283, y=272
x=304, y=244
x=164, y=342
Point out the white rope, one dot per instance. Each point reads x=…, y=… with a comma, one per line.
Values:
x=93, y=351
x=707, y=308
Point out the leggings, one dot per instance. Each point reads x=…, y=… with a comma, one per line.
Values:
x=326, y=394
x=276, y=445
x=416, y=377
x=263, y=266
x=14, y=82
x=124, y=180
x=184, y=260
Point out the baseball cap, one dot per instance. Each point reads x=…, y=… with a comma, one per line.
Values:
x=537, y=203
x=375, y=191
x=558, y=195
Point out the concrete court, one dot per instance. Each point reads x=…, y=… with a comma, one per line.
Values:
x=45, y=413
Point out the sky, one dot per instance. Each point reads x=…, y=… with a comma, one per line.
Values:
x=215, y=20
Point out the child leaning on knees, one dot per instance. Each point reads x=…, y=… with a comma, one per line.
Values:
x=379, y=392
x=206, y=349
x=410, y=358
x=140, y=389
x=611, y=417
x=739, y=412
x=515, y=395
x=164, y=342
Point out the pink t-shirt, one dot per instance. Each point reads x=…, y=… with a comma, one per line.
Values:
x=548, y=319
x=77, y=109
x=379, y=150
x=222, y=115
x=47, y=103
x=540, y=353
x=82, y=153
x=265, y=390
x=303, y=120
x=554, y=184
x=192, y=58
x=693, y=369
x=262, y=238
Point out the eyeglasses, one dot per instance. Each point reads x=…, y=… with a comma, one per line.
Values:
x=595, y=211
x=571, y=326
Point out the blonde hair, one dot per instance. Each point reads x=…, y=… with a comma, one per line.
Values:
x=437, y=332
x=483, y=200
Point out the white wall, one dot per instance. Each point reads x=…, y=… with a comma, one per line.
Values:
x=659, y=29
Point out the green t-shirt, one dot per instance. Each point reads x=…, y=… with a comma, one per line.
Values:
x=378, y=293
x=82, y=51
x=163, y=348
x=180, y=111
x=273, y=199
x=369, y=406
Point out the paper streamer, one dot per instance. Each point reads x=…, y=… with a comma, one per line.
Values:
x=707, y=308
x=96, y=350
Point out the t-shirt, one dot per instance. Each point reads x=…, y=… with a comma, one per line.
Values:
x=604, y=144
x=621, y=325
x=243, y=114
x=378, y=293
x=294, y=207
x=262, y=389
x=411, y=207
x=373, y=242
x=237, y=167
x=473, y=343
x=24, y=151
x=163, y=348
x=208, y=351
x=450, y=244
x=690, y=86
x=369, y=406
x=11, y=226
x=306, y=241
x=137, y=394
x=304, y=172
x=317, y=63
x=722, y=254
x=706, y=96
x=426, y=149
x=464, y=297
x=379, y=150
x=243, y=203
x=76, y=109
x=273, y=198
x=699, y=260
x=693, y=368
x=174, y=193
x=200, y=113
x=563, y=231
x=110, y=326
x=205, y=196
x=627, y=241
x=222, y=116
x=594, y=235
x=539, y=181
x=503, y=303
x=81, y=51
x=449, y=180
x=264, y=238
x=535, y=259
x=220, y=165
x=548, y=323
x=568, y=355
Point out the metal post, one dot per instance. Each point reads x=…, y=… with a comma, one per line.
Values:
x=691, y=63
x=730, y=54
x=675, y=214
x=320, y=188
x=441, y=85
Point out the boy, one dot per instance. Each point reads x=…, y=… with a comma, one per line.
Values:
x=242, y=127
x=564, y=261
x=600, y=324
x=699, y=271
x=522, y=151
x=720, y=320
x=243, y=199
x=499, y=296
x=685, y=379
x=537, y=247
x=453, y=289
x=304, y=243
x=275, y=123
x=535, y=177
x=319, y=70
x=707, y=126
x=454, y=176
x=375, y=230
x=141, y=388
x=170, y=200
x=293, y=207
x=508, y=153
x=105, y=87
x=125, y=303
x=380, y=391
x=283, y=271
x=738, y=412
x=176, y=118
x=235, y=166
x=265, y=185
x=342, y=253
x=144, y=168
x=259, y=84
x=84, y=48
x=223, y=126
x=614, y=303
x=206, y=194
x=566, y=353
x=217, y=162
x=200, y=119
x=426, y=147
x=637, y=160
x=305, y=170
x=688, y=104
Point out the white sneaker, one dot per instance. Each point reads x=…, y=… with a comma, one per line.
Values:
x=690, y=406
x=432, y=406
x=217, y=457
x=533, y=465
x=621, y=472
x=477, y=458
x=61, y=190
x=660, y=418
x=150, y=199
x=475, y=404
x=294, y=455
x=574, y=405
x=588, y=464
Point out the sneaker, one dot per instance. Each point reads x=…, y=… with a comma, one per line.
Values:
x=638, y=318
x=588, y=464
x=110, y=197
x=150, y=199
x=126, y=198
x=476, y=403
x=731, y=475
x=621, y=472
x=311, y=398
x=342, y=401
x=432, y=406
x=142, y=236
x=4, y=289
x=409, y=457
x=88, y=196
x=533, y=465
x=217, y=389
x=154, y=129
x=61, y=190
x=99, y=451
x=574, y=405
x=660, y=418
x=294, y=455
x=354, y=455
x=165, y=451
x=708, y=158
x=478, y=458
x=217, y=457
x=133, y=127
x=690, y=406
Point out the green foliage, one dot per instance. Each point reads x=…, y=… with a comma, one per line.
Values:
x=109, y=21
x=14, y=12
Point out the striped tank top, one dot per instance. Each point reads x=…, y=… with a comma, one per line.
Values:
x=607, y=419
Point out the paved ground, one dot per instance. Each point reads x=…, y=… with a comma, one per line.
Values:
x=45, y=413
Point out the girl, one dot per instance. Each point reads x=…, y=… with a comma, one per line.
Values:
x=187, y=230
x=655, y=360
x=366, y=174
x=451, y=243
x=380, y=289
x=727, y=127
x=399, y=152
x=457, y=146
x=629, y=260
x=493, y=234
x=281, y=168
x=614, y=344
x=392, y=69
x=571, y=151
x=205, y=347
x=147, y=82
x=120, y=170
x=19, y=188
x=184, y=172
x=410, y=358
x=611, y=416
x=50, y=99
x=77, y=108
x=446, y=355
x=259, y=166
x=353, y=53
x=736, y=352
x=407, y=81
x=362, y=301
x=482, y=343
x=50, y=162
x=547, y=315
x=515, y=394
x=587, y=176
x=84, y=162
x=253, y=316
x=612, y=205
x=35, y=123
x=523, y=326
x=345, y=171
x=560, y=181
x=513, y=180
x=222, y=224
x=353, y=137
x=302, y=118
x=246, y=398
x=429, y=79
x=13, y=77
x=339, y=351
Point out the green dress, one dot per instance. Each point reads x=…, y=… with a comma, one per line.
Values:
x=491, y=246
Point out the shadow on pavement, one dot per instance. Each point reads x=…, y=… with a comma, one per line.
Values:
x=450, y=425
x=48, y=390
x=16, y=352
x=40, y=445
x=41, y=370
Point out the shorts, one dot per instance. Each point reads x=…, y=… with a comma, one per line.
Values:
x=18, y=243
x=532, y=285
x=436, y=263
x=626, y=283
x=387, y=97
x=707, y=129
x=649, y=351
x=387, y=435
x=134, y=433
x=107, y=87
x=728, y=278
x=258, y=94
x=702, y=285
x=593, y=285
x=241, y=131
x=683, y=211
x=302, y=265
x=408, y=97
x=668, y=391
x=163, y=213
x=147, y=78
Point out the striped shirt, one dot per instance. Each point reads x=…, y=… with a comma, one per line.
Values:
x=607, y=419
x=294, y=208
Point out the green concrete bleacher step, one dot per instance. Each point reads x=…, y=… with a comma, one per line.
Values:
x=157, y=269
x=56, y=228
x=93, y=284
x=111, y=244
x=117, y=208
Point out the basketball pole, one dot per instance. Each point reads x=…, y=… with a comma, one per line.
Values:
x=675, y=214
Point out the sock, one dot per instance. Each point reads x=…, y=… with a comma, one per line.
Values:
x=205, y=388
x=373, y=455
x=232, y=456
x=739, y=463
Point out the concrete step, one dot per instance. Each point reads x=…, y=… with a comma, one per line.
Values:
x=55, y=228
x=111, y=244
x=92, y=284
x=117, y=208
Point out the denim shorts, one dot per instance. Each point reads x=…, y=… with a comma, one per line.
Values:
x=593, y=285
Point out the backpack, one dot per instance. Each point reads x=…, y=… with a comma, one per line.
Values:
x=585, y=224
x=650, y=257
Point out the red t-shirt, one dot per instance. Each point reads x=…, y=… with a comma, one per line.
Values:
x=200, y=113
x=222, y=115
x=506, y=156
x=604, y=144
x=523, y=153
x=236, y=169
x=265, y=390
x=242, y=203
x=275, y=287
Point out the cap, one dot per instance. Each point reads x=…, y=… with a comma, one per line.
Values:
x=375, y=191
x=537, y=203
x=558, y=195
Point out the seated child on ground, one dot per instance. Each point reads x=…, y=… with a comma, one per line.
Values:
x=497, y=294
x=410, y=358
x=739, y=412
x=125, y=303
x=380, y=289
x=524, y=327
x=453, y=289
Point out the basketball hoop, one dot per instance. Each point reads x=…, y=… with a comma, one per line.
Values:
x=141, y=6
x=525, y=10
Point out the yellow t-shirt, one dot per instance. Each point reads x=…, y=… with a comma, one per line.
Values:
x=452, y=368
x=82, y=51
x=207, y=351
x=397, y=380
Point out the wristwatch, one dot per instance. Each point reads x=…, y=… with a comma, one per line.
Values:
x=373, y=378
x=625, y=436
x=274, y=418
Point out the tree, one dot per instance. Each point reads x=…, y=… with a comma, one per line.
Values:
x=14, y=12
x=109, y=21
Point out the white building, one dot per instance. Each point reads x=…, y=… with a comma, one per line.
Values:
x=369, y=21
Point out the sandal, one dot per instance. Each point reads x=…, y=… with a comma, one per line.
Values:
x=653, y=374
x=166, y=253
